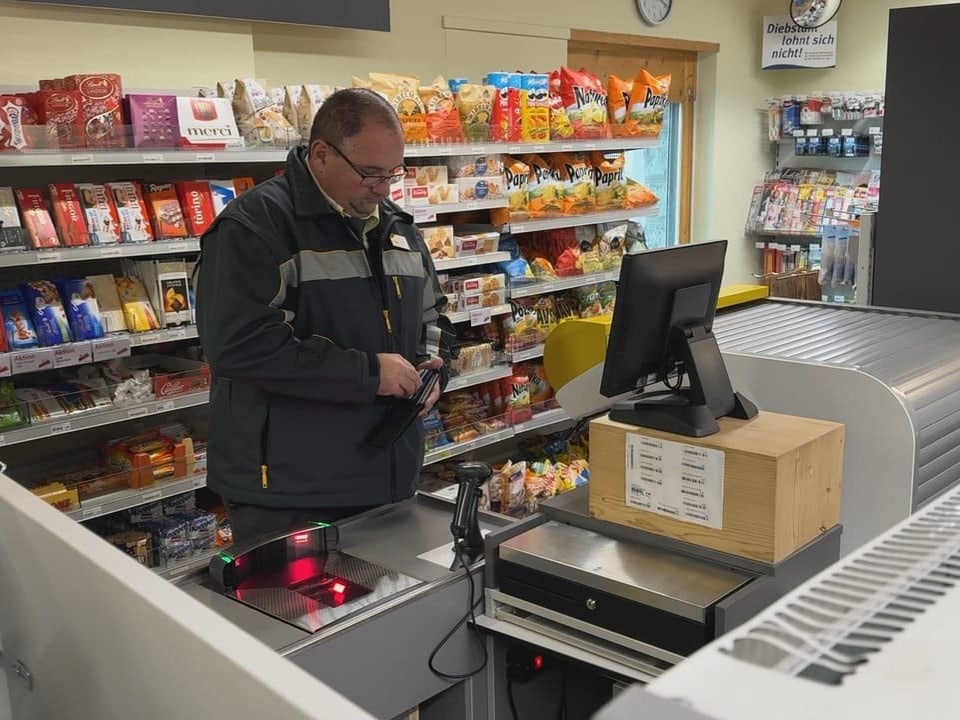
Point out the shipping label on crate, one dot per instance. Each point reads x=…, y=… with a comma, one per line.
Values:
x=674, y=479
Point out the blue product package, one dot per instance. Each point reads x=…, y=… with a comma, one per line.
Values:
x=83, y=311
x=50, y=319
x=17, y=322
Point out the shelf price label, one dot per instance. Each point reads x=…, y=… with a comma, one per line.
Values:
x=480, y=316
x=91, y=512
x=82, y=159
x=165, y=406
x=424, y=215
x=110, y=348
x=61, y=427
x=176, y=333
x=6, y=365
x=151, y=496
x=153, y=157
x=46, y=256
x=445, y=150
x=138, y=412
x=111, y=251
x=198, y=482
x=176, y=247
x=150, y=338
x=72, y=354
x=206, y=157
x=33, y=361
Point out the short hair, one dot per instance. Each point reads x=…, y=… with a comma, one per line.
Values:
x=346, y=112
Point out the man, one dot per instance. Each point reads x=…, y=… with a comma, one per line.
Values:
x=317, y=303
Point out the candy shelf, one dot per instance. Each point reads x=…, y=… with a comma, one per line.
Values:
x=127, y=499
x=529, y=354
x=99, y=252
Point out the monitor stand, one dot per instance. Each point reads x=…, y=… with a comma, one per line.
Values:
x=690, y=411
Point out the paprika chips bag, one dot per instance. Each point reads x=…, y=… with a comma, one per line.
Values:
x=545, y=188
x=608, y=178
x=403, y=92
x=576, y=177
x=517, y=175
x=647, y=100
x=443, y=120
x=639, y=195
x=475, y=103
x=560, y=126
x=618, y=98
x=585, y=101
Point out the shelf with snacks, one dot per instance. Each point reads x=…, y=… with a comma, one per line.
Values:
x=469, y=261
x=189, y=565
x=99, y=252
x=460, y=382
x=530, y=353
x=541, y=420
x=579, y=220
x=107, y=415
x=429, y=213
x=537, y=148
x=561, y=284
x=480, y=316
x=135, y=497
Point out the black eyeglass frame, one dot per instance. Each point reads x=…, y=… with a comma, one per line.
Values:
x=370, y=180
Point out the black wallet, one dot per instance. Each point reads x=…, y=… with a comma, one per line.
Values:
x=401, y=412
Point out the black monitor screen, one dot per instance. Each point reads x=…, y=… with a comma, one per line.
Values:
x=659, y=289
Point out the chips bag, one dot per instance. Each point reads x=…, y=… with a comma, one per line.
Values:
x=545, y=188
x=443, y=119
x=639, y=195
x=576, y=177
x=517, y=176
x=647, y=100
x=403, y=92
x=560, y=126
x=611, y=187
x=505, y=124
x=475, y=103
x=618, y=99
x=585, y=101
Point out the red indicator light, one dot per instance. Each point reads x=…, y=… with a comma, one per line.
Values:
x=301, y=538
x=339, y=588
x=338, y=598
x=538, y=662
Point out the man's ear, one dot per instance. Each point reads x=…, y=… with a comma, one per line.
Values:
x=319, y=152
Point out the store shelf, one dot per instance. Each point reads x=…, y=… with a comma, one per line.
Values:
x=538, y=422
x=127, y=499
x=478, y=378
x=85, y=352
x=490, y=148
x=568, y=283
x=85, y=421
x=428, y=213
x=529, y=354
x=568, y=221
x=190, y=565
x=99, y=252
x=41, y=158
x=481, y=314
x=467, y=262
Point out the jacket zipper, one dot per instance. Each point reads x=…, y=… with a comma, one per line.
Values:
x=264, y=468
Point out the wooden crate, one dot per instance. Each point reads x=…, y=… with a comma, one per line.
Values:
x=781, y=483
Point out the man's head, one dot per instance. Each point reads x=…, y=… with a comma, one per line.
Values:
x=356, y=145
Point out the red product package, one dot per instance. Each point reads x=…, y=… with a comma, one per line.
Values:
x=68, y=214
x=17, y=123
x=242, y=184
x=585, y=100
x=61, y=113
x=197, y=205
x=134, y=220
x=36, y=218
x=102, y=105
x=103, y=221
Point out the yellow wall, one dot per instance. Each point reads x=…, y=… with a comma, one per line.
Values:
x=154, y=52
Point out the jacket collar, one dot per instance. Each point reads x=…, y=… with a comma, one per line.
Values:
x=309, y=202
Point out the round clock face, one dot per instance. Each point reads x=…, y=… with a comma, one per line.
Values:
x=654, y=12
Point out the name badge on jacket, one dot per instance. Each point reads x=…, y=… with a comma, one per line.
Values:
x=399, y=241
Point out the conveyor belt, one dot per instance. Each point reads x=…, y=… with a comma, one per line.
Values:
x=916, y=355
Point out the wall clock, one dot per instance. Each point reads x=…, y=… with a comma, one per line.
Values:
x=654, y=12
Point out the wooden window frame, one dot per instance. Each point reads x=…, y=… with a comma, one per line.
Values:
x=680, y=54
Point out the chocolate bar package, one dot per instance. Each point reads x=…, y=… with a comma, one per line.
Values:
x=49, y=317
x=17, y=123
x=242, y=185
x=104, y=289
x=197, y=205
x=12, y=234
x=134, y=222
x=153, y=120
x=17, y=323
x=165, y=212
x=102, y=108
x=61, y=113
x=221, y=192
x=103, y=222
x=83, y=310
x=68, y=215
x=36, y=218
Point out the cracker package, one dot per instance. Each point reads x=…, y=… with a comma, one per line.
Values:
x=36, y=218
x=311, y=98
x=403, y=92
x=560, y=126
x=134, y=219
x=68, y=215
x=259, y=118
x=49, y=317
x=576, y=176
x=443, y=119
x=609, y=181
x=585, y=101
x=103, y=221
x=17, y=322
x=475, y=103
x=647, y=101
x=517, y=177
x=545, y=188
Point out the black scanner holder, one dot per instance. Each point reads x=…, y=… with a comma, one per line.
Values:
x=465, y=528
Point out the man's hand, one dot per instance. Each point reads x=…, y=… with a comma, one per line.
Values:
x=398, y=378
x=435, y=364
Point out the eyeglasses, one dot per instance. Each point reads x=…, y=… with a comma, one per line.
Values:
x=371, y=180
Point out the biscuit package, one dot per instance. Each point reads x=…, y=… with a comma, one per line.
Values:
x=259, y=118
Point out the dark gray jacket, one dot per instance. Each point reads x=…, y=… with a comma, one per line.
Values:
x=292, y=312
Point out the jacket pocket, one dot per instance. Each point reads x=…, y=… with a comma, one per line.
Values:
x=238, y=431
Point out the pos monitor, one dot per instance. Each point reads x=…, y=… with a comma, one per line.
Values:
x=661, y=332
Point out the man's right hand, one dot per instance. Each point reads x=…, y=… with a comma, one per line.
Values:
x=398, y=378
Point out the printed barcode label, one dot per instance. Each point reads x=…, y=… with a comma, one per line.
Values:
x=60, y=428
x=176, y=334
x=110, y=251
x=91, y=512
x=81, y=159
x=445, y=150
x=566, y=147
x=48, y=257
x=199, y=482
x=151, y=496
x=206, y=157
x=152, y=158
x=138, y=412
x=165, y=406
x=177, y=247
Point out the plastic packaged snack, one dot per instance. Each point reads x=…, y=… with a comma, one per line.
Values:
x=609, y=181
x=443, y=119
x=83, y=311
x=618, y=99
x=560, y=126
x=517, y=176
x=475, y=103
x=576, y=175
x=403, y=92
x=545, y=188
x=49, y=317
x=260, y=118
x=585, y=101
x=647, y=101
